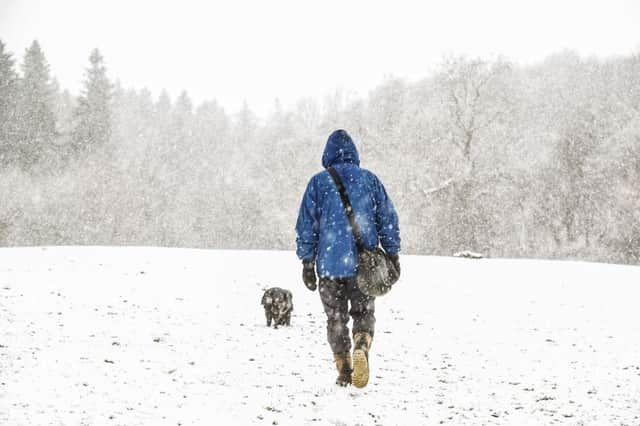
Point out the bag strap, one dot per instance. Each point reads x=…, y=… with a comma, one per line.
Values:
x=357, y=234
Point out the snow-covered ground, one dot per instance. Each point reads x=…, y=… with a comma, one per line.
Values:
x=170, y=336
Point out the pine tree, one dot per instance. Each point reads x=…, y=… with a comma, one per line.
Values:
x=182, y=127
x=183, y=112
x=246, y=124
x=93, y=113
x=35, y=118
x=8, y=87
x=163, y=106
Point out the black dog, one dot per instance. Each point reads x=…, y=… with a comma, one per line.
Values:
x=278, y=305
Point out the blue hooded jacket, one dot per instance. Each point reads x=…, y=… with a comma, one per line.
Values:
x=323, y=230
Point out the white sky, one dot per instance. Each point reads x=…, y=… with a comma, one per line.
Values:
x=259, y=50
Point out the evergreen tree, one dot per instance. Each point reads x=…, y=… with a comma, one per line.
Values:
x=246, y=126
x=8, y=83
x=36, y=118
x=162, y=112
x=162, y=124
x=181, y=133
x=93, y=114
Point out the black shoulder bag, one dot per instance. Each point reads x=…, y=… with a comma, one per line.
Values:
x=376, y=273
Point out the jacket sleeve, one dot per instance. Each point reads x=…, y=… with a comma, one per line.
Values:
x=386, y=219
x=307, y=226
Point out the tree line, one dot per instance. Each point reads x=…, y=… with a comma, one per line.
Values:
x=539, y=161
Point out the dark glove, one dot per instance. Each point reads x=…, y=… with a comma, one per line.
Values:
x=309, y=275
x=395, y=259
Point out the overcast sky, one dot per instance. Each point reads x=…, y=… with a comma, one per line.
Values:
x=258, y=50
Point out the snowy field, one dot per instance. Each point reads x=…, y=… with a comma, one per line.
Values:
x=126, y=336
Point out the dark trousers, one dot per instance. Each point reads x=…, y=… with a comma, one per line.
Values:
x=335, y=295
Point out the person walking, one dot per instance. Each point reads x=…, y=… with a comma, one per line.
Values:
x=327, y=248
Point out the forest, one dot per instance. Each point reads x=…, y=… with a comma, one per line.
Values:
x=538, y=161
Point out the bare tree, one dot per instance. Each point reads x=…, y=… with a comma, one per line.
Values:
x=473, y=97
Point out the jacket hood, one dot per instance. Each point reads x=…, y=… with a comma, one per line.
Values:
x=340, y=149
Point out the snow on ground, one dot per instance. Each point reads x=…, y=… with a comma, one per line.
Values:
x=125, y=336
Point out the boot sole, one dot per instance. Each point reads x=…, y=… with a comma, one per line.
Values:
x=360, y=375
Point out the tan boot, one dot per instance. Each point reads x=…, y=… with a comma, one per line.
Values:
x=343, y=364
x=362, y=344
